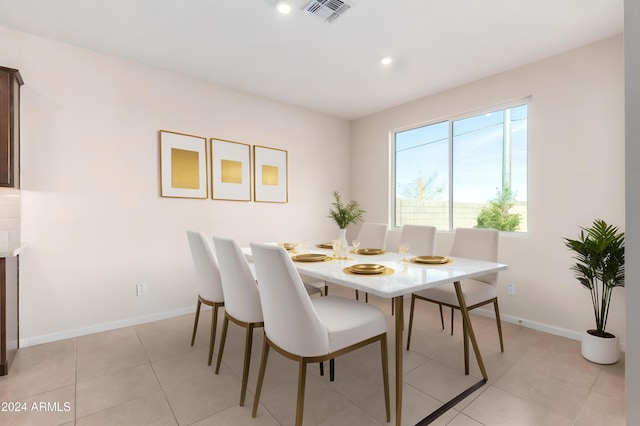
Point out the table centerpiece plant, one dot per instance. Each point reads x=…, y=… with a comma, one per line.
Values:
x=599, y=267
x=344, y=215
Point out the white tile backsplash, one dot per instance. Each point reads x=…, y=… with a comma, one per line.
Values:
x=9, y=215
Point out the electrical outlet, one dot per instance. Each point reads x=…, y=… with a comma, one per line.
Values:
x=511, y=289
x=141, y=289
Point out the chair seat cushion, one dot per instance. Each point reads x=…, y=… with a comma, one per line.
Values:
x=474, y=292
x=349, y=321
x=312, y=285
x=311, y=290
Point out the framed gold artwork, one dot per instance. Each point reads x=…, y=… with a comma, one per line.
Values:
x=230, y=170
x=270, y=174
x=183, y=165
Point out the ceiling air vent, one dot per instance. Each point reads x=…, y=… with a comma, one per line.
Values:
x=329, y=10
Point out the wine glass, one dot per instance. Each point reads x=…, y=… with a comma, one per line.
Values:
x=304, y=246
x=355, y=244
x=403, y=249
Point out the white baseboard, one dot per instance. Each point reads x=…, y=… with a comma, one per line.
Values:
x=535, y=325
x=36, y=340
x=46, y=338
x=558, y=331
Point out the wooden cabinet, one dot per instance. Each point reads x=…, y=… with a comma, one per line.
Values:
x=10, y=82
x=9, y=334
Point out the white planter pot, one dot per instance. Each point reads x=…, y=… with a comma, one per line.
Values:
x=601, y=350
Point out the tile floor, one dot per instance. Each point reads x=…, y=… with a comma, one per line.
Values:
x=149, y=375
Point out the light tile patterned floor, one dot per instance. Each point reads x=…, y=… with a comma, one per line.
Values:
x=148, y=374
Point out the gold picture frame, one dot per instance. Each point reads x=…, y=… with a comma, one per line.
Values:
x=230, y=170
x=270, y=175
x=183, y=165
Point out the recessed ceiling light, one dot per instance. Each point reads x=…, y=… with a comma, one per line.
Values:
x=283, y=7
x=386, y=60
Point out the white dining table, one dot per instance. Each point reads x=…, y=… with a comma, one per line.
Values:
x=407, y=277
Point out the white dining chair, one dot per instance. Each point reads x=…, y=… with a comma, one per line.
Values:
x=242, y=301
x=310, y=330
x=313, y=286
x=208, y=282
x=372, y=235
x=421, y=240
x=393, y=239
x=469, y=243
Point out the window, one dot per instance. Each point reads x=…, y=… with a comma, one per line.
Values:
x=467, y=172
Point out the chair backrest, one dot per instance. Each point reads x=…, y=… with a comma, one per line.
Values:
x=393, y=238
x=373, y=235
x=207, y=272
x=420, y=238
x=290, y=321
x=241, y=297
x=478, y=244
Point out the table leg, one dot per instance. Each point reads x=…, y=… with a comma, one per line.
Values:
x=399, y=314
x=468, y=335
x=469, y=329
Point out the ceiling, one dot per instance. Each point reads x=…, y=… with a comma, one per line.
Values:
x=333, y=67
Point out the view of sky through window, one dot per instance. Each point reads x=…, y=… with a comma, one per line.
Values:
x=488, y=154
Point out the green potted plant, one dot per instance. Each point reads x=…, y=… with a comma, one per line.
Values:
x=344, y=215
x=495, y=214
x=599, y=267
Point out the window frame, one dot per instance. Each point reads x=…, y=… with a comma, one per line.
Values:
x=450, y=120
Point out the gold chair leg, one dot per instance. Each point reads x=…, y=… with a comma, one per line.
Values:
x=385, y=375
x=247, y=362
x=302, y=377
x=499, y=323
x=214, y=325
x=413, y=303
x=223, y=339
x=263, y=366
x=452, y=321
x=195, y=322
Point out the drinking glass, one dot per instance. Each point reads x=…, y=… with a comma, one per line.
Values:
x=403, y=249
x=355, y=244
x=335, y=244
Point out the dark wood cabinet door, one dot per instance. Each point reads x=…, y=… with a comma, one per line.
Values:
x=10, y=82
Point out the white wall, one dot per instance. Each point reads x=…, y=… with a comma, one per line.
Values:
x=9, y=218
x=92, y=215
x=96, y=226
x=576, y=174
x=632, y=128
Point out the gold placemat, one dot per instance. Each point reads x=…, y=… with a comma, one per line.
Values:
x=413, y=260
x=369, y=251
x=310, y=258
x=327, y=246
x=385, y=272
